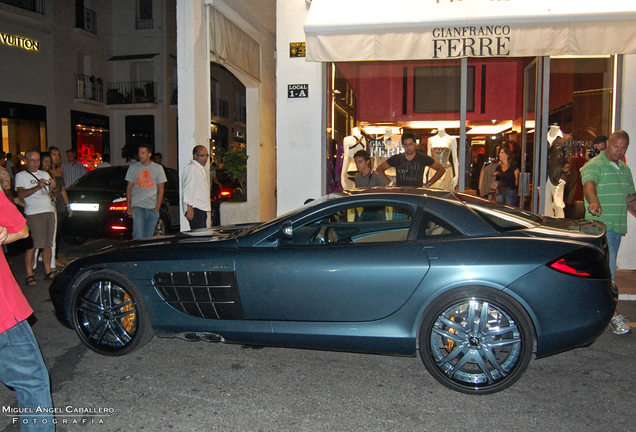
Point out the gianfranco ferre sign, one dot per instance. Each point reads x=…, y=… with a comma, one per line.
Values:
x=471, y=41
x=19, y=42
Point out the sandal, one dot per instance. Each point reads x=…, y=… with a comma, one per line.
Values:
x=49, y=276
x=30, y=281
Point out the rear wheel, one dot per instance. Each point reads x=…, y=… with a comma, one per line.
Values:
x=476, y=340
x=109, y=314
x=162, y=225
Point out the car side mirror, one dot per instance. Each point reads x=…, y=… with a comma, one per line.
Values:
x=286, y=230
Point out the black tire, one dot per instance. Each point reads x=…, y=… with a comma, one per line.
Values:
x=109, y=315
x=74, y=240
x=163, y=225
x=476, y=340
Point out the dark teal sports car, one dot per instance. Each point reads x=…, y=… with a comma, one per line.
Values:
x=473, y=286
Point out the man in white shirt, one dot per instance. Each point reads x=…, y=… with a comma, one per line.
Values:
x=196, y=189
x=36, y=187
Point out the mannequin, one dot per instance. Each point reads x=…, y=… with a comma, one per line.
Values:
x=553, y=133
x=441, y=147
x=555, y=186
x=351, y=144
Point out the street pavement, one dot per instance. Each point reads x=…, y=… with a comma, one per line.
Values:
x=173, y=385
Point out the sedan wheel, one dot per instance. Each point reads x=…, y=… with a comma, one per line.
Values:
x=109, y=314
x=162, y=226
x=476, y=341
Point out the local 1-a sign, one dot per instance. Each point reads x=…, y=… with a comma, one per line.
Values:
x=297, y=90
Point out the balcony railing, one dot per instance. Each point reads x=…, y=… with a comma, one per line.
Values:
x=30, y=5
x=143, y=24
x=89, y=87
x=131, y=92
x=87, y=21
x=220, y=108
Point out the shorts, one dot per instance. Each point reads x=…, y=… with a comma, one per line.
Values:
x=41, y=229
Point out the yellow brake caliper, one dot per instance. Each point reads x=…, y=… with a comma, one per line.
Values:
x=129, y=319
x=450, y=344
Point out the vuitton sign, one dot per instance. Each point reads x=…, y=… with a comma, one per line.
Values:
x=19, y=42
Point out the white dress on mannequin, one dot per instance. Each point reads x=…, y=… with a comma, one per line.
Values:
x=351, y=144
x=441, y=147
x=554, y=204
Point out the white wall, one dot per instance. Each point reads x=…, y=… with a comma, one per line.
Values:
x=299, y=122
x=627, y=252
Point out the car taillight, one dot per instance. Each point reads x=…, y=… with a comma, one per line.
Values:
x=118, y=227
x=118, y=206
x=585, y=262
x=226, y=193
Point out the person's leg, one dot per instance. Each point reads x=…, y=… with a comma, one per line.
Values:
x=151, y=222
x=46, y=260
x=613, y=243
x=138, y=222
x=28, y=262
x=22, y=367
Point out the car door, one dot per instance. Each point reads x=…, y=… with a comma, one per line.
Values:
x=351, y=263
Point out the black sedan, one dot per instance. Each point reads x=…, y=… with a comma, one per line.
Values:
x=473, y=286
x=98, y=201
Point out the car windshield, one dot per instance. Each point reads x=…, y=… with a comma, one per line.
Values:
x=308, y=204
x=103, y=178
x=501, y=217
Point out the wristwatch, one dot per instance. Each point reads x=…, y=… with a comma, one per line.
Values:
x=428, y=184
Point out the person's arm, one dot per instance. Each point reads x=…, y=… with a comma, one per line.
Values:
x=6, y=237
x=160, y=188
x=381, y=168
x=129, y=189
x=631, y=203
x=594, y=207
x=66, y=200
x=25, y=193
x=216, y=180
x=517, y=177
x=9, y=194
x=439, y=172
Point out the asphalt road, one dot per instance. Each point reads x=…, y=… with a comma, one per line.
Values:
x=175, y=385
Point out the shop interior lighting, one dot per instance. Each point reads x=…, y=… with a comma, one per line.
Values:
x=452, y=124
x=490, y=130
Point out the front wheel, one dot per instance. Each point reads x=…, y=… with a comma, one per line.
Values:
x=476, y=340
x=162, y=226
x=109, y=314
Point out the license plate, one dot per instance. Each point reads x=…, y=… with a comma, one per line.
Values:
x=84, y=207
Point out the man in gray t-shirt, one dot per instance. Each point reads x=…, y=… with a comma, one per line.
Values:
x=144, y=193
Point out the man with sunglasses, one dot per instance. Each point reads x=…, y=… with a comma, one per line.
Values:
x=196, y=189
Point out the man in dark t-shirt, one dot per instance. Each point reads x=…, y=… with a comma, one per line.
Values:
x=410, y=165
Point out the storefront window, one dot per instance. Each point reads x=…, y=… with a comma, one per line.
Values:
x=374, y=103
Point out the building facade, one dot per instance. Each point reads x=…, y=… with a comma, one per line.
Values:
x=94, y=76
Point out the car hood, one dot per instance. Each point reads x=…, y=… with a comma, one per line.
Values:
x=203, y=235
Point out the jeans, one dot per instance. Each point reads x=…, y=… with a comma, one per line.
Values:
x=199, y=220
x=507, y=197
x=613, y=242
x=22, y=367
x=144, y=222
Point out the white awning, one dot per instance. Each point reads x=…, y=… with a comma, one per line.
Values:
x=230, y=44
x=352, y=30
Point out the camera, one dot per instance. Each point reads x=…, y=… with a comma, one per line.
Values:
x=593, y=152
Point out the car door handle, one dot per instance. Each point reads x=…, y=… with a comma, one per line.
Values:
x=431, y=252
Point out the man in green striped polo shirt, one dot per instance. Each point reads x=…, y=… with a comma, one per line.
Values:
x=609, y=191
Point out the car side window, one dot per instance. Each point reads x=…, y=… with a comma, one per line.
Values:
x=370, y=223
x=432, y=226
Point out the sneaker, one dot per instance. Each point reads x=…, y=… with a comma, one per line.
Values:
x=619, y=325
